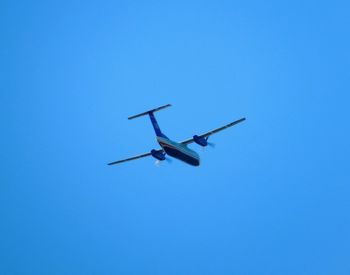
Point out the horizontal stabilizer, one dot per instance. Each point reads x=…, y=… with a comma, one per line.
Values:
x=150, y=111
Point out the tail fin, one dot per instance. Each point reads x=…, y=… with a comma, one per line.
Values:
x=152, y=117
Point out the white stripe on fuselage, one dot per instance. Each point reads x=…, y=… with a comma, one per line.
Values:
x=178, y=146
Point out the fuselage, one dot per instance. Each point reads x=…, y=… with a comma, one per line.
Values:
x=179, y=151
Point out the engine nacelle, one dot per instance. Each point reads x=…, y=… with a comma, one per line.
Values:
x=158, y=155
x=200, y=141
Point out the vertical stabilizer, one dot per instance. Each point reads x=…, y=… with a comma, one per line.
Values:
x=155, y=124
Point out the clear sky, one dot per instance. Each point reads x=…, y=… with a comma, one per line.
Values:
x=271, y=198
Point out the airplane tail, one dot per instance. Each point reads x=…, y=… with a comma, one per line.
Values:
x=152, y=117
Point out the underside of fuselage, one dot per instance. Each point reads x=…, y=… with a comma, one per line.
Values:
x=179, y=151
x=181, y=156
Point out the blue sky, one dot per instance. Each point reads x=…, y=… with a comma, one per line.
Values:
x=271, y=198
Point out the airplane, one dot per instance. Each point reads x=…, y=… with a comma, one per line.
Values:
x=178, y=150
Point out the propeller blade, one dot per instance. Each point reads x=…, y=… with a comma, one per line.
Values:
x=211, y=144
x=158, y=162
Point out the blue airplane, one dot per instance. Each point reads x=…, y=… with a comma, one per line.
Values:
x=178, y=150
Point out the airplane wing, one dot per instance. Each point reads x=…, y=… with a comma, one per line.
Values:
x=207, y=134
x=133, y=158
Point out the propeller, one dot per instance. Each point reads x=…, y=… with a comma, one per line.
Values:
x=210, y=144
x=158, y=162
